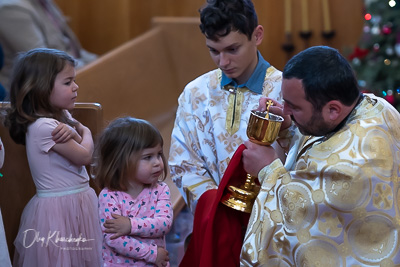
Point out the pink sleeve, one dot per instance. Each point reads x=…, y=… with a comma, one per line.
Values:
x=109, y=202
x=43, y=136
x=160, y=224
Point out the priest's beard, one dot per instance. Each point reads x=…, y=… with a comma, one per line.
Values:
x=315, y=126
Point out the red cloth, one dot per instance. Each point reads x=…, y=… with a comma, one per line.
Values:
x=218, y=230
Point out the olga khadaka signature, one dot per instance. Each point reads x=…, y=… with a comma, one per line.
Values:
x=31, y=236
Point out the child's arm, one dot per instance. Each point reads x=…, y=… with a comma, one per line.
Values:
x=161, y=223
x=125, y=245
x=63, y=132
x=78, y=153
x=157, y=226
x=118, y=226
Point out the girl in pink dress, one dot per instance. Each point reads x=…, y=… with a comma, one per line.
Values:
x=59, y=226
x=135, y=206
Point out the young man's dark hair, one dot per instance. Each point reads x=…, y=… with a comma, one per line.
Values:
x=218, y=18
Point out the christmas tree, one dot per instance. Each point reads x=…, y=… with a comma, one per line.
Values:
x=376, y=58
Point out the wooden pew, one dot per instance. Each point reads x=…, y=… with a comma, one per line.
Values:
x=16, y=185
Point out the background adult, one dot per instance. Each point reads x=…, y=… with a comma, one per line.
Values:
x=2, y=89
x=28, y=24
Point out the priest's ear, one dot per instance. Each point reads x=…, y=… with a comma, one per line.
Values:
x=334, y=110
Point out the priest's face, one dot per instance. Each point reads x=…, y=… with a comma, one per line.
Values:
x=235, y=54
x=307, y=119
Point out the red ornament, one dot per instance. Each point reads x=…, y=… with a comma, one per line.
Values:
x=358, y=53
x=390, y=99
x=386, y=30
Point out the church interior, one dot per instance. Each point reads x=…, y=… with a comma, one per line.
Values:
x=148, y=51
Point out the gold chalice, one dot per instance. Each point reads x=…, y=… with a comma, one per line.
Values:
x=263, y=129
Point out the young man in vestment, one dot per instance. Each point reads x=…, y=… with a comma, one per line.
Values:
x=335, y=201
x=210, y=126
x=214, y=108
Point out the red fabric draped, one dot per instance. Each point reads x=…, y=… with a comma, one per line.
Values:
x=218, y=230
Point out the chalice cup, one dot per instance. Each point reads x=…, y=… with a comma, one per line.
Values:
x=262, y=129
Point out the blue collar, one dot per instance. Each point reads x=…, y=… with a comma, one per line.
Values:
x=256, y=81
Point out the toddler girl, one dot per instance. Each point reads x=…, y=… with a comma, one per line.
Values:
x=135, y=206
x=59, y=225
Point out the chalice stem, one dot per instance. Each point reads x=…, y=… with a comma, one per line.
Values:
x=249, y=183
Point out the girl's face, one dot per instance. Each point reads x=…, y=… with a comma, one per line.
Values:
x=64, y=93
x=149, y=167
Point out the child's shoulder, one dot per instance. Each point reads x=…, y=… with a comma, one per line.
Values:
x=45, y=121
x=161, y=186
x=107, y=193
x=43, y=125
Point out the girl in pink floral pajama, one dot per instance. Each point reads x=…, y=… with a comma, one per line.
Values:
x=134, y=205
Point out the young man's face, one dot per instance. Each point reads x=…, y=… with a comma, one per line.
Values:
x=235, y=54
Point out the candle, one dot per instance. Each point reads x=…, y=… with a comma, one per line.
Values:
x=326, y=17
x=288, y=17
x=304, y=15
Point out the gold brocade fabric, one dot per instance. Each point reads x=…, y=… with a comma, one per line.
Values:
x=235, y=103
x=339, y=203
x=201, y=146
x=233, y=114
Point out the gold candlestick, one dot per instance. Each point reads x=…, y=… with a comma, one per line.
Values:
x=326, y=16
x=288, y=16
x=304, y=16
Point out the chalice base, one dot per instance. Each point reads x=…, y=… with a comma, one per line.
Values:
x=239, y=199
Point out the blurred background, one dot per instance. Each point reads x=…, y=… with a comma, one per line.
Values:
x=102, y=25
x=149, y=50
x=366, y=31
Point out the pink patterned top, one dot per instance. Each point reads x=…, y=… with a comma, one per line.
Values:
x=151, y=218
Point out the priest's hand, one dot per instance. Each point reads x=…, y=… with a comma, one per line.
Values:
x=255, y=157
x=277, y=109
